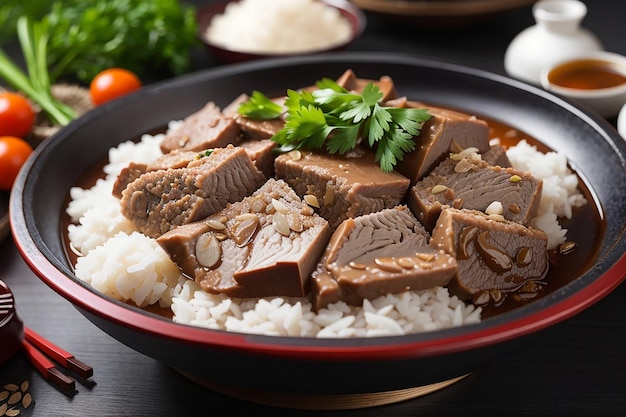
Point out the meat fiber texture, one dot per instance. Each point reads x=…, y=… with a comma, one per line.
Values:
x=264, y=245
x=386, y=252
x=446, y=130
x=161, y=200
x=464, y=180
x=341, y=186
x=205, y=129
x=492, y=253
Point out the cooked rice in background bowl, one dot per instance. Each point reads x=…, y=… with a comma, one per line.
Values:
x=235, y=31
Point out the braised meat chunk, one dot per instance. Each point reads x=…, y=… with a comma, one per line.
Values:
x=446, y=131
x=351, y=82
x=465, y=180
x=264, y=245
x=262, y=153
x=254, y=129
x=160, y=200
x=375, y=254
x=205, y=129
x=341, y=186
x=494, y=255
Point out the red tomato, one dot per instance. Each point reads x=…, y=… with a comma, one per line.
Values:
x=112, y=83
x=16, y=115
x=13, y=153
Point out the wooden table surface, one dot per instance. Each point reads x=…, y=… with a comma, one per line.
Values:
x=575, y=368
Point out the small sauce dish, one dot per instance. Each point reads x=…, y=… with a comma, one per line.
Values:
x=596, y=80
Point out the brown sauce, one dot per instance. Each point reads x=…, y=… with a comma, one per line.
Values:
x=588, y=74
x=585, y=228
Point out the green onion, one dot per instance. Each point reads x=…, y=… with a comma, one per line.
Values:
x=33, y=39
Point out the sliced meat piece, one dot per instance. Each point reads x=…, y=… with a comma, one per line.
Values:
x=158, y=201
x=386, y=252
x=341, y=186
x=174, y=159
x=464, y=180
x=262, y=153
x=264, y=245
x=205, y=129
x=127, y=175
x=254, y=129
x=496, y=156
x=351, y=82
x=494, y=255
x=445, y=131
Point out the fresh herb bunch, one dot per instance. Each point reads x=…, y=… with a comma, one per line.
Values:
x=88, y=36
x=33, y=38
x=339, y=119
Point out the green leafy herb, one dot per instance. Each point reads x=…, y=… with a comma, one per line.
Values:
x=86, y=37
x=338, y=119
x=260, y=107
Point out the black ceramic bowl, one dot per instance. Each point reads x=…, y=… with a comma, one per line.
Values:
x=352, y=13
x=322, y=373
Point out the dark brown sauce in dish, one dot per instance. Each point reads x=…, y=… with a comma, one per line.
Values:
x=588, y=74
x=585, y=229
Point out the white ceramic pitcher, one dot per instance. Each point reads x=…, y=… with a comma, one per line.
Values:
x=557, y=35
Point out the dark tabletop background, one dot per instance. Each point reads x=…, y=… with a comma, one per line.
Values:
x=575, y=368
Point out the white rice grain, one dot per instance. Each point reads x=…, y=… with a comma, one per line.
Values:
x=278, y=26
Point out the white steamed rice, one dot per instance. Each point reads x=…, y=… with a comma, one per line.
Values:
x=123, y=263
x=278, y=26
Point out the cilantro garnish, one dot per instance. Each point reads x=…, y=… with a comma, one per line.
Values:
x=338, y=119
x=258, y=106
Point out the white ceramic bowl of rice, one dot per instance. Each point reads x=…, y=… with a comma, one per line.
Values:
x=242, y=30
x=386, y=350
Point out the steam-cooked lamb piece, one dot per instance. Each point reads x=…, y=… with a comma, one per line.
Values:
x=494, y=255
x=446, y=131
x=262, y=153
x=174, y=159
x=464, y=180
x=380, y=253
x=341, y=186
x=158, y=201
x=496, y=156
x=351, y=82
x=264, y=245
x=205, y=129
x=252, y=128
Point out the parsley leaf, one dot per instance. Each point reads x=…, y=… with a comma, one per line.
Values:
x=258, y=106
x=339, y=119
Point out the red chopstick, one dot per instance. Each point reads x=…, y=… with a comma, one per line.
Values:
x=64, y=358
x=47, y=368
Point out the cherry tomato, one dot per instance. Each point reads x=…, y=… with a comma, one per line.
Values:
x=13, y=153
x=16, y=115
x=112, y=83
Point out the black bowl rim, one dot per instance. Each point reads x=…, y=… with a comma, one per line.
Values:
x=594, y=285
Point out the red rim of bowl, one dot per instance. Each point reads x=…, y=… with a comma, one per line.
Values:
x=96, y=304
x=348, y=10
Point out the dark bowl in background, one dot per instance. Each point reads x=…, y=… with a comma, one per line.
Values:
x=205, y=14
x=306, y=372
